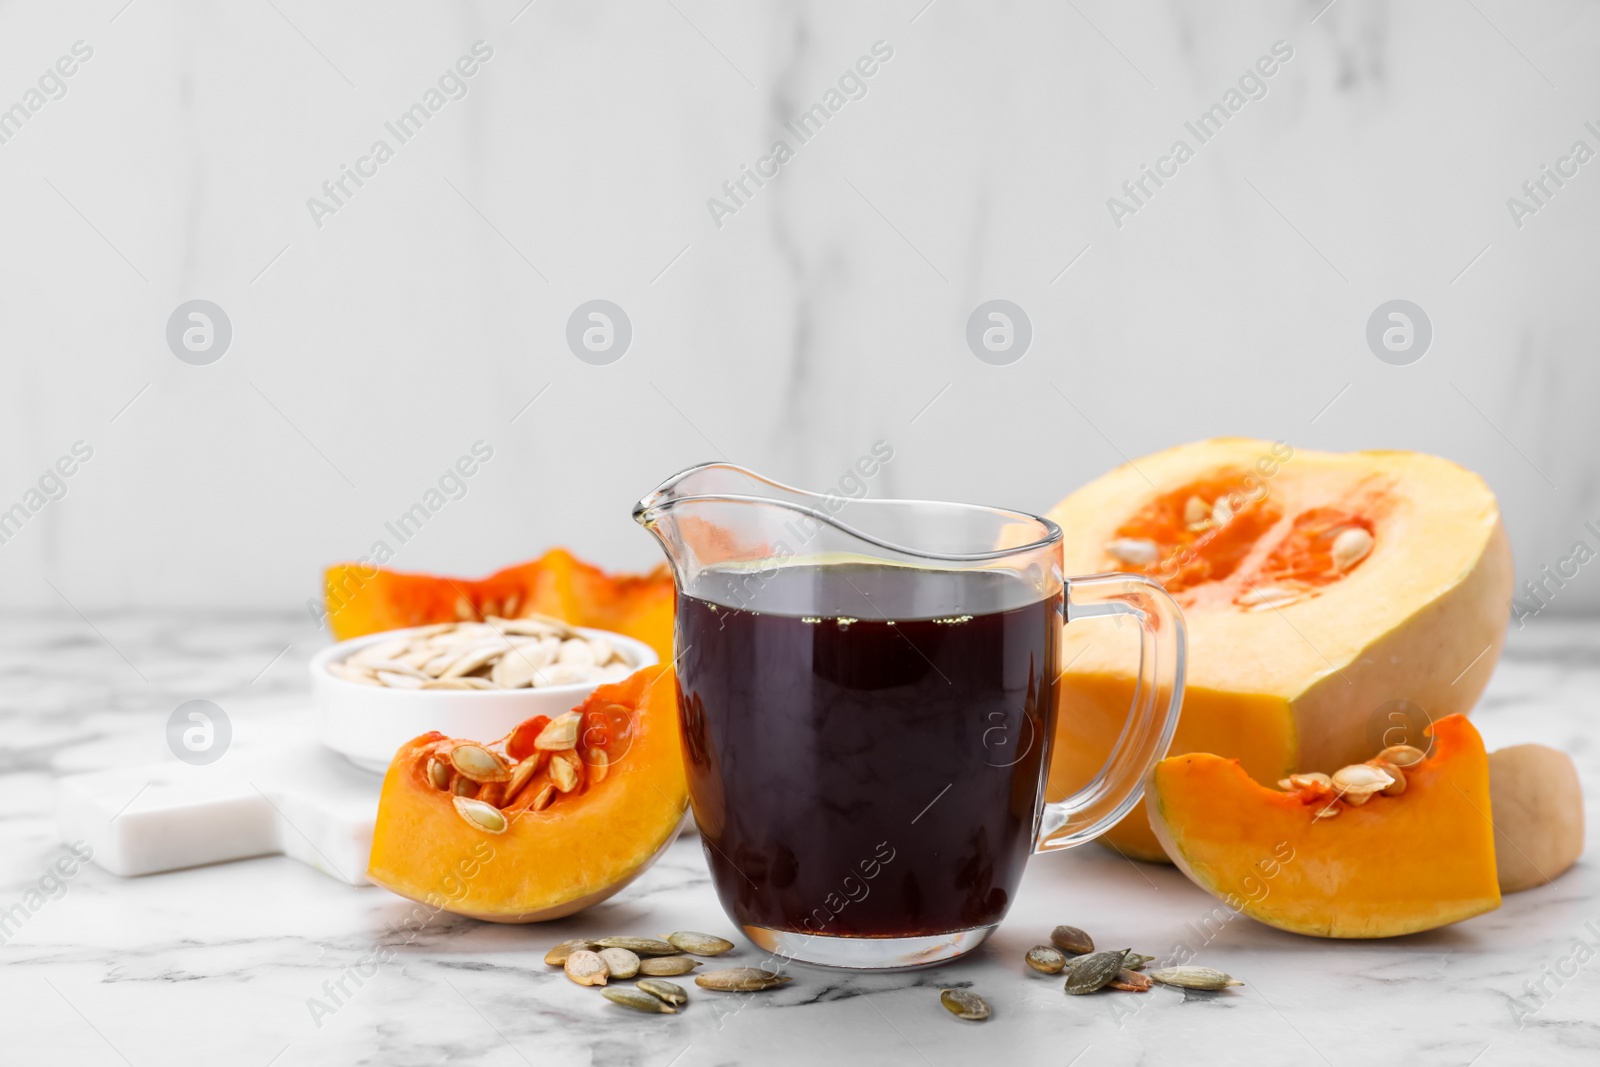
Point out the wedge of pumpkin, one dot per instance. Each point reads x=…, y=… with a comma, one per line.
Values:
x=361, y=599
x=554, y=817
x=1311, y=863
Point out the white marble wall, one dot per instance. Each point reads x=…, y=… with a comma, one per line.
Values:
x=371, y=351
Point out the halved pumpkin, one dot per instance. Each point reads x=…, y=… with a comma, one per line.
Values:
x=1331, y=599
x=555, y=816
x=1390, y=865
x=362, y=599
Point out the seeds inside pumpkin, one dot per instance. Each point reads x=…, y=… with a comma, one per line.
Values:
x=483, y=816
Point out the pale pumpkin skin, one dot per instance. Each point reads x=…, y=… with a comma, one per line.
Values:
x=1296, y=688
x=1538, y=814
x=547, y=864
x=1394, y=865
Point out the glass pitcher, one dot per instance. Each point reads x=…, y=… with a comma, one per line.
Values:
x=867, y=699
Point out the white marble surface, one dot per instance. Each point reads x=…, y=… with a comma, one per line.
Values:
x=217, y=965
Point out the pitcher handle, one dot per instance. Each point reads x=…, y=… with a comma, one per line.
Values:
x=1152, y=719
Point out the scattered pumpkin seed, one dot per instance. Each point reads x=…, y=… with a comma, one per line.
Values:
x=620, y=962
x=1194, y=978
x=699, y=944
x=639, y=946
x=667, y=966
x=964, y=1005
x=1136, y=962
x=1046, y=960
x=632, y=998
x=1130, y=981
x=1071, y=940
x=1088, y=973
x=585, y=967
x=670, y=992
x=558, y=955
x=741, y=980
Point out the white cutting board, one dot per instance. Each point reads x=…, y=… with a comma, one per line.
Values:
x=297, y=799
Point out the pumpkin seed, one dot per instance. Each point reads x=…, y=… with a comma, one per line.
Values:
x=521, y=775
x=485, y=817
x=560, y=733
x=586, y=967
x=1221, y=513
x=564, y=771
x=642, y=946
x=1194, y=978
x=558, y=955
x=741, y=980
x=1135, y=550
x=1351, y=547
x=632, y=998
x=1046, y=960
x=1402, y=756
x=438, y=774
x=964, y=1005
x=1085, y=974
x=1136, y=962
x=478, y=763
x=1071, y=940
x=670, y=992
x=1130, y=981
x=496, y=653
x=464, y=786
x=1395, y=787
x=667, y=966
x=542, y=798
x=620, y=962
x=699, y=944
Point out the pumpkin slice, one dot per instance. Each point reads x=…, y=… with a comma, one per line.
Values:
x=555, y=816
x=1385, y=866
x=1335, y=604
x=361, y=599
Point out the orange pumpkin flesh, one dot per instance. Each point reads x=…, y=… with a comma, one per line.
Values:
x=1393, y=865
x=1295, y=684
x=579, y=849
x=363, y=599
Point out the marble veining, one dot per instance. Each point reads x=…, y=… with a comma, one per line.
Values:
x=242, y=963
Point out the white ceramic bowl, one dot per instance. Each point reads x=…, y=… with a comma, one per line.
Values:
x=367, y=724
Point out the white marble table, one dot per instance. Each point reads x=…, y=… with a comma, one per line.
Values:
x=217, y=965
